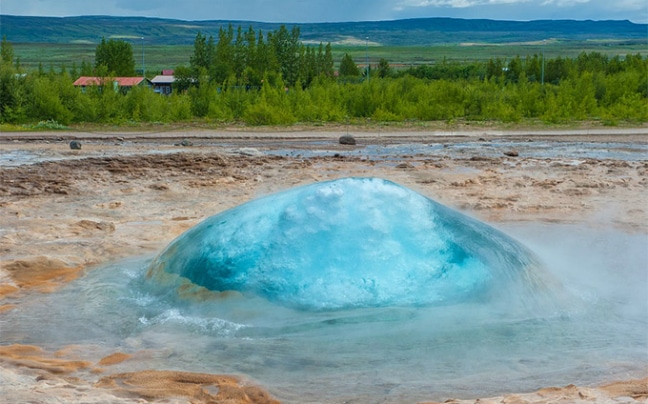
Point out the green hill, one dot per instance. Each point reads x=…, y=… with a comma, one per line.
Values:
x=410, y=32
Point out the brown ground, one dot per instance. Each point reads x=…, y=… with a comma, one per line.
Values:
x=114, y=198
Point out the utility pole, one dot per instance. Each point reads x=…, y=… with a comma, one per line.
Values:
x=367, y=56
x=543, y=61
x=143, y=68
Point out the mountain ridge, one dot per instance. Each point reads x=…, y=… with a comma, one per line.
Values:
x=403, y=32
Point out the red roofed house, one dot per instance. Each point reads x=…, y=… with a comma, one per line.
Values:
x=119, y=83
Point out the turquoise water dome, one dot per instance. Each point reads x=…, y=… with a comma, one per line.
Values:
x=350, y=243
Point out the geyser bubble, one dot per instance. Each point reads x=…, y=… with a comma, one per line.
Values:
x=351, y=243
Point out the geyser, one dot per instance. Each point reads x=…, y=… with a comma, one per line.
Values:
x=350, y=243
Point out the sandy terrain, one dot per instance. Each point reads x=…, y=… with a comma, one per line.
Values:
x=128, y=194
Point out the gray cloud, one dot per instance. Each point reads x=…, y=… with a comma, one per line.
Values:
x=336, y=10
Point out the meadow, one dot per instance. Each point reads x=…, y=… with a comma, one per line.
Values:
x=159, y=57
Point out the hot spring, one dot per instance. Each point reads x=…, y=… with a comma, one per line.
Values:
x=362, y=289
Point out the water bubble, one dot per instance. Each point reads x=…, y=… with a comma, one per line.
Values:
x=351, y=243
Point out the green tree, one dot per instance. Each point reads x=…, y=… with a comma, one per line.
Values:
x=239, y=54
x=285, y=45
x=86, y=68
x=308, y=65
x=223, y=65
x=253, y=72
x=116, y=56
x=12, y=95
x=324, y=61
x=514, y=69
x=556, y=70
x=272, y=107
x=184, y=78
x=202, y=95
x=494, y=68
x=533, y=68
x=74, y=72
x=266, y=60
x=348, y=68
x=251, y=48
x=383, y=68
x=10, y=86
x=6, y=51
x=45, y=102
x=203, y=53
x=591, y=62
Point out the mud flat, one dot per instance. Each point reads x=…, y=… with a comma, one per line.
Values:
x=65, y=212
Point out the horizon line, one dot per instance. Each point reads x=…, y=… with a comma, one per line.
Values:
x=321, y=22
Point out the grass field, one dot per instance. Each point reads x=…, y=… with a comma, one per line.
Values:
x=404, y=55
x=158, y=57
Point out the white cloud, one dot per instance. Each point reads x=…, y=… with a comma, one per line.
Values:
x=563, y=3
x=404, y=4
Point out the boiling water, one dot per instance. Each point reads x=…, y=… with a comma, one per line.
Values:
x=351, y=243
x=591, y=327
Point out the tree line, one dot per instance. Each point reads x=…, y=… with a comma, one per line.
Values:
x=248, y=58
x=274, y=79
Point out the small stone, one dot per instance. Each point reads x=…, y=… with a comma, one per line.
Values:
x=185, y=143
x=405, y=166
x=250, y=151
x=511, y=153
x=75, y=145
x=159, y=187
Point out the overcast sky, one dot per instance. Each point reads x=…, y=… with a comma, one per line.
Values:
x=291, y=11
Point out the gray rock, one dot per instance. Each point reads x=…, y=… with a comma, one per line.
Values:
x=75, y=145
x=185, y=143
x=347, y=139
x=250, y=151
x=405, y=166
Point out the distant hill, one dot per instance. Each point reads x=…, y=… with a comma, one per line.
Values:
x=410, y=32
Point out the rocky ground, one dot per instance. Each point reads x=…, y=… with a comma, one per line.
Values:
x=127, y=194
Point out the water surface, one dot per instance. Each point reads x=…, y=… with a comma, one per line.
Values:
x=598, y=333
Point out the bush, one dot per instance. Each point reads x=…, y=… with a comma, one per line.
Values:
x=265, y=114
x=587, y=88
x=46, y=125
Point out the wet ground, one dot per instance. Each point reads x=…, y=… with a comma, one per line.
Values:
x=65, y=212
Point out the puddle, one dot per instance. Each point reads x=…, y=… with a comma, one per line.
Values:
x=570, y=151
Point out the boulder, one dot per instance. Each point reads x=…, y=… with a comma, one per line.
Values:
x=347, y=139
